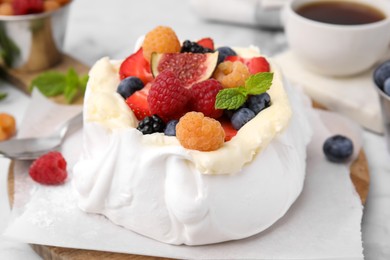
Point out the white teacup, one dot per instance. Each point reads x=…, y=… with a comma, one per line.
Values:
x=337, y=50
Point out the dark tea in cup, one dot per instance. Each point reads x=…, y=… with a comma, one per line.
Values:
x=341, y=12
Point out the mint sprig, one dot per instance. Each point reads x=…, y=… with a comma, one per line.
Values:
x=3, y=95
x=233, y=98
x=52, y=83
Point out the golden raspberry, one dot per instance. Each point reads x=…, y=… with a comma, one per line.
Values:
x=6, y=9
x=161, y=40
x=197, y=132
x=231, y=74
x=7, y=126
x=63, y=2
x=51, y=5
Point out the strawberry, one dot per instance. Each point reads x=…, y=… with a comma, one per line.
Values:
x=22, y=7
x=206, y=43
x=255, y=65
x=138, y=103
x=136, y=65
x=230, y=132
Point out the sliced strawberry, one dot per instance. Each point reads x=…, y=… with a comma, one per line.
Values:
x=255, y=65
x=139, y=104
x=206, y=43
x=230, y=132
x=136, y=65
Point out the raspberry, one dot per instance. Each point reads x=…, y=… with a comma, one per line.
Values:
x=197, y=132
x=161, y=40
x=167, y=96
x=231, y=74
x=22, y=7
x=50, y=169
x=203, y=97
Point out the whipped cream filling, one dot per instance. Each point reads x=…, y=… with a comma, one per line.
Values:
x=150, y=184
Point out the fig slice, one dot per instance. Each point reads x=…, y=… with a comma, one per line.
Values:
x=190, y=68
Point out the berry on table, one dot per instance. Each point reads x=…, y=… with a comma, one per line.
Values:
x=167, y=96
x=224, y=52
x=338, y=148
x=151, y=124
x=257, y=103
x=193, y=47
x=170, y=130
x=7, y=126
x=161, y=39
x=386, y=86
x=241, y=117
x=49, y=169
x=197, y=132
x=203, y=97
x=129, y=85
x=231, y=74
x=381, y=73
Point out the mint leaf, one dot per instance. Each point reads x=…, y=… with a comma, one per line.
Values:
x=49, y=83
x=259, y=83
x=53, y=83
x=83, y=83
x=72, y=85
x=233, y=98
x=3, y=95
x=230, y=98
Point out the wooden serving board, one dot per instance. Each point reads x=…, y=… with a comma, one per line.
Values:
x=359, y=176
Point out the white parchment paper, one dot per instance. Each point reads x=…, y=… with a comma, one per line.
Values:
x=324, y=223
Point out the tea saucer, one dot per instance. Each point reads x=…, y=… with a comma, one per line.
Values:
x=353, y=97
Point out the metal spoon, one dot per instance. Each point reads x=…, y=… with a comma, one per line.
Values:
x=32, y=148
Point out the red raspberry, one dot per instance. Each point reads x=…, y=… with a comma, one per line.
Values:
x=167, y=96
x=203, y=97
x=50, y=168
x=22, y=7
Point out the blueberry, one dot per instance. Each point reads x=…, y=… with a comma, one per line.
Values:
x=129, y=85
x=338, y=148
x=382, y=73
x=170, y=130
x=386, y=86
x=223, y=52
x=259, y=102
x=241, y=117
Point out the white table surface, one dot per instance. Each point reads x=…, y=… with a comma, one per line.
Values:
x=110, y=28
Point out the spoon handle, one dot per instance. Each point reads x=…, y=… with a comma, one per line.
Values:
x=71, y=125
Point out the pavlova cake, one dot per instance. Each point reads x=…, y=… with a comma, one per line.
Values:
x=188, y=144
